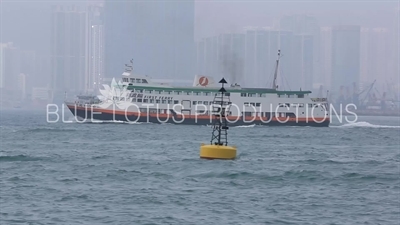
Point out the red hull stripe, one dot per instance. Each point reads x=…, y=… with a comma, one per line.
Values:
x=205, y=117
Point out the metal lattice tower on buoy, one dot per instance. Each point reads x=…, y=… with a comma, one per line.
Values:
x=218, y=147
x=220, y=107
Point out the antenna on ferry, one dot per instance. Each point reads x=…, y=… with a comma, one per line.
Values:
x=274, y=86
x=129, y=67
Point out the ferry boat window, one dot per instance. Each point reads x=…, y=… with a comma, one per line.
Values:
x=169, y=101
x=287, y=104
x=258, y=104
x=300, y=96
x=246, y=104
x=164, y=101
x=227, y=94
x=310, y=105
x=263, y=95
x=178, y=92
x=133, y=100
x=176, y=101
x=196, y=93
x=199, y=102
x=150, y=91
x=151, y=100
x=251, y=95
x=194, y=102
x=187, y=93
x=145, y=100
x=130, y=84
x=253, y=104
x=206, y=93
x=157, y=101
x=159, y=92
x=169, y=92
x=139, y=100
x=205, y=103
x=138, y=80
x=301, y=105
x=242, y=94
x=144, y=81
x=132, y=80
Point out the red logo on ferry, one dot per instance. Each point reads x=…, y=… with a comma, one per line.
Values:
x=203, y=81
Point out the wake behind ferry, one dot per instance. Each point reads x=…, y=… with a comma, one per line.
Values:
x=137, y=98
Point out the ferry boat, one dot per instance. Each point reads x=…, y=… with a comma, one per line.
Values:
x=137, y=98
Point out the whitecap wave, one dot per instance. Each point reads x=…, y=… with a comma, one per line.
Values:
x=244, y=126
x=365, y=124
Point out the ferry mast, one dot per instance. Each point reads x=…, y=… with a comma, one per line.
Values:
x=274, y=86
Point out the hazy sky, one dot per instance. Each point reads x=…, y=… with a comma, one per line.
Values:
x=27, y=22
x=215, y=16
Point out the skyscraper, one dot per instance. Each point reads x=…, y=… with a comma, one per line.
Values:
x=222, y=56
x=157, y=35
x=375, y=55
x=345, y=56
x=10, y=69
x=261, y=49
x=325, y=57
x=68, y=50
x=95, y=41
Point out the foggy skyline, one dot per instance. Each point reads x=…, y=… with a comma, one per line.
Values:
x=32, y=30
x=158, y=37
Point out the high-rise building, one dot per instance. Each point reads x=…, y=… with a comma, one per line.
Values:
x=395, y=39
x=324, y=64
x=222, y=56
x=15, y=65
x=231, y=57
x=345, y=56
x=207, y=56
x=249, y=58
x=299, y=24
x=10, y=68
x=95, y=41
x=375, y=55
x=68, y=50
x=307, y=36
x=157, y=35
x=261, y=48
x=302, y=62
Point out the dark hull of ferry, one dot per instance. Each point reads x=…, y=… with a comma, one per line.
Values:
x=87, y=115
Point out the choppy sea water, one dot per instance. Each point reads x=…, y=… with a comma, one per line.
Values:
x=117, y=173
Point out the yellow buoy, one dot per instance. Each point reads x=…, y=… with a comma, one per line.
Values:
x=218, y=147
x=217, y=152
